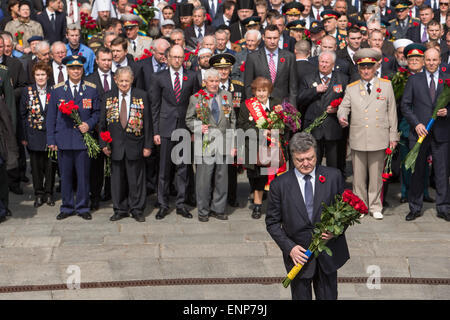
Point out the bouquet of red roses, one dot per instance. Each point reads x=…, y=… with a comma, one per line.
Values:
x=203, y=112
x=345, y=211
x=319, y=120
x=387, y=171
x=89, y=26
x=106, y=136
x=71, y=109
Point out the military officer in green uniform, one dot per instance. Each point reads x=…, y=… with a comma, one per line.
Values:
x=403, y=22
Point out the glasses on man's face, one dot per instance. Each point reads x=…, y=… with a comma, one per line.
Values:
x=444, y=4
x=176, y=57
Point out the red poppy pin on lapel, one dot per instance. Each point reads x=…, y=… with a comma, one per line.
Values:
x=444, y=69
x=184, y=78
x=441, y=81
x=282, y=60
x=322, y=179
x=285, y=45
x=386, y=59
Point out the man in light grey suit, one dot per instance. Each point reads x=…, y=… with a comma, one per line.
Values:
x=221, y=118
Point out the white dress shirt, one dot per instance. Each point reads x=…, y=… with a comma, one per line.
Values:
x=180, y=76
x=315, y=11
x=42, y=96
x=49, y=13
x=127, y=100
x=72, y=87
x=124, y=63
x=102, y=78
x=55, y=68
x=301, y=181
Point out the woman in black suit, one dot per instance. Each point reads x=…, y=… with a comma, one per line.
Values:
x=261, y=89
x=33, y=110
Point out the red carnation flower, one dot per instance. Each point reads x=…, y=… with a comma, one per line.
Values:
x=322, y=179
x=378, y=90
x=106, y=136
x=402, y=69
x=386, y=59
x=336, y=102
x=282, y=60
x=242, y=68
x=140, y=2
x=385, y=176
x=388, y=151
x=285, y=45
x=415, y=24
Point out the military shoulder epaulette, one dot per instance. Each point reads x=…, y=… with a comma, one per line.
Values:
x=90, y=84
x=385, y=80
x=240, y=83
x=392, y=21
x=353, y=83
x=59, y=85
x=3, y=67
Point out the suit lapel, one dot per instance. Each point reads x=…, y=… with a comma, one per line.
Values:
x=426, y=86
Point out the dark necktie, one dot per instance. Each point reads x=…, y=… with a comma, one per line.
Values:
x=134, y=45
x=215, y=109
x=432, y=88
x=52, y=20
x=200, y=35
x=326, y=80
x=60, y=75
x=309, y=203
x=223, y=87
x=368, y=88
x=177, y=88
x=75, y=92
x=123, y=112
x=105, y=83
x=213, y=10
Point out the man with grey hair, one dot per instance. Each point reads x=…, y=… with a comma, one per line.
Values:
x=58, y=52
x=43, y=54
x=212, y=166
x=252, y=41
x=198, y=29
x=295, y=203
x=132, y=140
x=316, y=92
x=157, y=63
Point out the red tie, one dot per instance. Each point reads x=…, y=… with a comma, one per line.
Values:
x=177, y=87
x=318, y=15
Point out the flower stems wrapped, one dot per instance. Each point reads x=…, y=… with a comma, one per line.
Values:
x=344, y=212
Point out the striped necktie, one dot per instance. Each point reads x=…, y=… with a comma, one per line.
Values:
x=272, y=68
x=177, y=87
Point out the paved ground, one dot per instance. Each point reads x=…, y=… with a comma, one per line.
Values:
x=36, y=249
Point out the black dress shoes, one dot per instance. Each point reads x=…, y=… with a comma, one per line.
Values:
x=403, y=200
x=117, y=216
x=428, y=199
x=49, y=200
x=16, y=190
x=63, y=215
x=233, y=204
x=444, y=215
x=39, y=201
x=203, y=218
x=138, y=217
x=412, y=216
x=85, y=216
x=220, y=216
x=162, y=212
x=256, y=214
x=184, y=213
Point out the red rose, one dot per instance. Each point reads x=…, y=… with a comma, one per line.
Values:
x=388, y=151
x=186, y=56
x=336, y=102
x=79, y=4
x=285, y=45
x=447, y=82
x=386, y=59
x=174, y=6
x=242, y=68
x=140, y=2
x=322, y=179
x=282, y=60
x=444, y=69
x=184, y=78
x=402, y=69
x=106, y=136
x=208, y=18
x=385, y=175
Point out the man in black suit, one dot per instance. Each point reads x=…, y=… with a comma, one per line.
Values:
x=354, y=39
x=121, y=58
x=103, y=79
x=387, y=64
x=316, y=92
x=286, y=42
x=418, y=34
x=53, y=22
x=244, y=9
x=171, y=90
x=126, y=115
x=199, y=29
x=303, y=66
x=293, y=209
x=419, y=100
x=272, y=63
